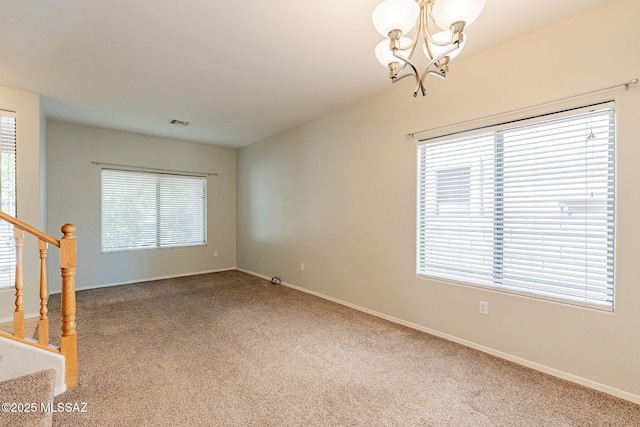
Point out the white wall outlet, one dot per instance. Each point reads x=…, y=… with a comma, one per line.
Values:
x=484, y=308
x=215, y=253
x=302, y=266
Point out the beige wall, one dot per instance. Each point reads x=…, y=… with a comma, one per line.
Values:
x=339, y=195
x=74, y=197
x=31, y=186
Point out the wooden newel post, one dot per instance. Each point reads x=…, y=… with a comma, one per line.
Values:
x=68, y=341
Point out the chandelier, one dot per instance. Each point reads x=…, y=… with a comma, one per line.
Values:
x=396, y=18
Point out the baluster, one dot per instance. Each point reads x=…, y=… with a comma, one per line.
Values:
x=68, y=341
x=43, y=324
x=18, y=314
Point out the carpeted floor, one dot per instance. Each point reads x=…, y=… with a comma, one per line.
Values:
x=230, y=349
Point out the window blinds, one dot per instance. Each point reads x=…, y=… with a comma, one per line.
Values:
x=7, y=197
x=526, y=208
x=150, y=210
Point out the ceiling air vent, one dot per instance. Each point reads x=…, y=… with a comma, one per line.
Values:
x=179, y=122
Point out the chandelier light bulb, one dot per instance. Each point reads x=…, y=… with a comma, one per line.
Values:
x=447, y=12
x=395, y=15
x=385, y=55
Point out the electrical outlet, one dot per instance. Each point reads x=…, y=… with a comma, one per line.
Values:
x=215, y=253
x=301, y=266
x=484, y=308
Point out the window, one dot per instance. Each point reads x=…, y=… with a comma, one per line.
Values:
x=524, y=207
x=142, y=210
x=7, y=197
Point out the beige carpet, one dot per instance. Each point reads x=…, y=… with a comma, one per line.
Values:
x=229, y=349
x=25, y=395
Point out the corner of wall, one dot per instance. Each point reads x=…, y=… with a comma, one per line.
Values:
x=31, y=182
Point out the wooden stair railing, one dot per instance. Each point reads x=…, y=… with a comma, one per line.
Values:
x=68, y=338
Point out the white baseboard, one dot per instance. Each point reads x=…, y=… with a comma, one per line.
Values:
x=520, y=361
x=150, y=279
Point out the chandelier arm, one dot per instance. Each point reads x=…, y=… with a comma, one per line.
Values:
x=423, y=26
x=420, y=86
x=405, y=62
x=394, y=45
x=434, y=41
x=437, y=43
x=435, y=73
x=428, y=70
x=426, y=34
x=401, y=69
x=398, y=78
x=412, y=47
x=410, y=64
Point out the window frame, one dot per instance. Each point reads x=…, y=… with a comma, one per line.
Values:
x=496, y=130
x=158, y=225
x=9, y=256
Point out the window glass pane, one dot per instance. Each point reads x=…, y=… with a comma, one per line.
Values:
x=129, y=213
x=558, y=210
x=456, y=204
x=182, y=219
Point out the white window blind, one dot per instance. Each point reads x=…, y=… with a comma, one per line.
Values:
x=143, y=210
x=526, y=207
x=7, y=197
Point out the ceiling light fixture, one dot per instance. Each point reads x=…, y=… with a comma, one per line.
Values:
x=395, y=18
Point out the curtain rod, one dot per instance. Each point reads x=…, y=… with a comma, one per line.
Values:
x=139, y=168
x=626, y=86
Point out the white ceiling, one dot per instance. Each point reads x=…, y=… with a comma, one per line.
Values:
x=239, y=71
